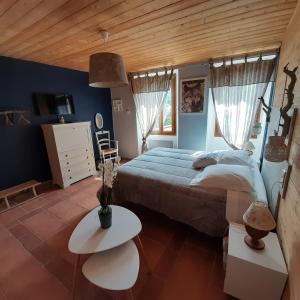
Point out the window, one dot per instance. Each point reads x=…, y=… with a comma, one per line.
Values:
x=166, y=122
x=253, y=136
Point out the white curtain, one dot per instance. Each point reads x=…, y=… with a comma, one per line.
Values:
x=236, y=89
x=149, y=93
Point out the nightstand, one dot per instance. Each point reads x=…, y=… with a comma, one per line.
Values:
x=254, y=274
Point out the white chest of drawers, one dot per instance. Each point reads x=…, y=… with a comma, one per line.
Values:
x=70, y=152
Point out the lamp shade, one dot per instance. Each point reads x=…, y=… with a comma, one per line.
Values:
x=275, y=149
x=107, y=70
x=258, y=216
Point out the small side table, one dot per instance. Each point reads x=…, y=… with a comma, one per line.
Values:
x=254, y=274
x=114, y=263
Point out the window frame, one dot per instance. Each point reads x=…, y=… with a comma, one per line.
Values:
x=174, y=116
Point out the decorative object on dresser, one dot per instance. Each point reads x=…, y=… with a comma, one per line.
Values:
x=70, y=152
x=276, y=150
x=108, y=149
x=252, y=274
x=258, y=223
x=108, y=173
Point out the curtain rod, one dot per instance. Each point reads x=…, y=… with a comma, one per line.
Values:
x=265, y=52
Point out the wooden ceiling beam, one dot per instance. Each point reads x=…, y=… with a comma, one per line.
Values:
x=147, y=33
x=91, y=21
x=182, y=55
x=208, y=31
x=182, y=29
x=40, y=11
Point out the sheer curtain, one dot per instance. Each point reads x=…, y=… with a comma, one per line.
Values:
x=236, y=88
x=149, y=93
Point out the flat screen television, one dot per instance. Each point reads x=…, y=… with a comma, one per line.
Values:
x=53, y=104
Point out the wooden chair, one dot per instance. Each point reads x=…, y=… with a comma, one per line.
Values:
x=108, y=149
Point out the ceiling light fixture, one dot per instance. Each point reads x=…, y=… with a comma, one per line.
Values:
x=107, y=69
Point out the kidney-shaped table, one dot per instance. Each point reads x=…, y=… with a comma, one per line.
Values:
x=114, y=263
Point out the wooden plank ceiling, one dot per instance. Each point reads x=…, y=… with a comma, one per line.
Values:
x=148, y=34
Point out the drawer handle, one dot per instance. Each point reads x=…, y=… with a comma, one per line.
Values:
x=66, y=155
x=69, y=170
x=87, y=157
x=88, y=164
x=86, y=150
x=70, y=177
x=68, y=163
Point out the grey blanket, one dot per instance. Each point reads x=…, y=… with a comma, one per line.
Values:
x=160, y=178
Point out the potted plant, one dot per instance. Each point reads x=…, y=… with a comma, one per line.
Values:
x=108, y=172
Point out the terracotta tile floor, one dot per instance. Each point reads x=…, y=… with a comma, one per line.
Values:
x=35, y=262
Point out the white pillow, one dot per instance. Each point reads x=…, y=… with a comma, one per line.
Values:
x=204, y=160
x=228, y=177
x=234, y=157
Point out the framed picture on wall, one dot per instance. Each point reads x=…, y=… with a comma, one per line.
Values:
x=192, y=95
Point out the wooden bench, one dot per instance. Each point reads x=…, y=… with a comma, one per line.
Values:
x=4, y=194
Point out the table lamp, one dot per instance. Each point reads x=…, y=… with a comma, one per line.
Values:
x=258, y=222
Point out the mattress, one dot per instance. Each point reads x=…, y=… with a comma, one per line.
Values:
x=160, y=180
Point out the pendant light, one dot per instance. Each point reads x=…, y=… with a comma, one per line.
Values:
x=107, y=69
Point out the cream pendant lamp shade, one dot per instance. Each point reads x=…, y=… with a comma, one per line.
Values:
x=107, y=70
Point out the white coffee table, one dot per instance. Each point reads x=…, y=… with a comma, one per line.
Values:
x=114, y=264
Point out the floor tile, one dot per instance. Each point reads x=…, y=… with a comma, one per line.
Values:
x=67, y=211
x=32, y=281
x=29, y=241
x=10, y=216
x=30, y=214
x=34, y=256
x=62, y=270
x=59, y=243
x=84, y=200
x=44, y=225
x=19, y=230
x=153, y=250
x=36, y=203
x=44, y=253
x=4, y=234
x=190, y=276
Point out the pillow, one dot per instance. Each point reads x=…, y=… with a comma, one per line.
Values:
x=204, y=160
x=234, y=157
x=228, y=177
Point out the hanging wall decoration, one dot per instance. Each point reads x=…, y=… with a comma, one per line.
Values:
x=192, y=95
x=276, y=149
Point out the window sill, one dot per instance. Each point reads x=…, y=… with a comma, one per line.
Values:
x=163, y=134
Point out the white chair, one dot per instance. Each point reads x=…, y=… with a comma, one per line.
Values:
x=108, y=149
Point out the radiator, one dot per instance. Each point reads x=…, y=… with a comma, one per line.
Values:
x=160, y=143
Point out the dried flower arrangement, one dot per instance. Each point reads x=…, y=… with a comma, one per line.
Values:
x=108, y=173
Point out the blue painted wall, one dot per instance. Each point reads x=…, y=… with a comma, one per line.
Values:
x=23, y=154
x=192, y=126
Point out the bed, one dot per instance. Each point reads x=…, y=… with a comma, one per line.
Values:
x=160, y=180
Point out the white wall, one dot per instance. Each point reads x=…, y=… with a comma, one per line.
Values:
x=192, y=126
x=125, y=126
